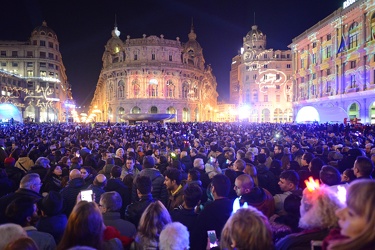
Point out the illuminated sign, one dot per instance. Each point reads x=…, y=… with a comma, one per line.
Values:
x=347, y=3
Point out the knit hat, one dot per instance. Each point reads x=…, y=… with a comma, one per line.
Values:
x=52, y=204
x=10, y=161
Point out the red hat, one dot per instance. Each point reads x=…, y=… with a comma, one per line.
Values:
x=10, y=161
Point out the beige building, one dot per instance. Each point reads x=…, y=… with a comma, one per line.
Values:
x=33, y=77
x=260, y=81
x=154, y=75
x=334, y=65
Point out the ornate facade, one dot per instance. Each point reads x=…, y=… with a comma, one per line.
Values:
x=260, y=81
x=33, y=76
x=154, y=75
x=334, y=63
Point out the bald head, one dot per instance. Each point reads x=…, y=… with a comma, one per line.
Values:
x=74, y=174
x=246, y=181
x=100, y=180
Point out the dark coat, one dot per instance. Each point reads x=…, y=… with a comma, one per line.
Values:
x=39, y=170
x=70, y=193
x=213, y=217
x=54, y=225
x=134, y=211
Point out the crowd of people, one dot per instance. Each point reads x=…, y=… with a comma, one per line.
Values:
x=187, y=186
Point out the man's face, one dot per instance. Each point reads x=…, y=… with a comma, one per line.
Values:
x=169, y=183
x=293, y=149
x=285, y=185
x=192, y=153
x=130, y=164
x=276, y=150
x=238, y=188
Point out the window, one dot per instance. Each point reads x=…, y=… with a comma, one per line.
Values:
x=170, y=58
x=265, y=66
x=352, y=81
x=50, y=65
x=29, y=64
x=302, y=63
x=43, y=73
x=50, y=56
x=287, y=55
x=329, y=51
x=277, y=76
x=254, y=77
x=264, y=77
x=42, y=54
x=265, y=56
x=353, y=64
x=42, y=43
x=51, y=74
x=153, y=57
x=42, y=65
x=14, y=64
x=314, y=58
x=277, y=86
x=3, y=64
x=288, y=66
x=328, y=72
x=314, y=45
x=30, y=84
x=50, y=44
x=29, y=54
x=302, y=80
x=329, y=37
x=353, y=35
x=277, y=98
x=314, y=76
x=254, y=66
x=14, y=53
x=3, y=53
x=35, y=42
x=265, y=98
x=328, y=87
x=135, y=57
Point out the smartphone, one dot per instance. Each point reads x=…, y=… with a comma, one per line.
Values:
x=86, y=195
x=213, y=239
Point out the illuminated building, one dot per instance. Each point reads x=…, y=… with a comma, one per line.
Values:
x=260, y=81
x=33, y=76
x=154, y=75
x=334, y=64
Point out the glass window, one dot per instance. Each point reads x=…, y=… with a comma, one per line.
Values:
x=42, y=43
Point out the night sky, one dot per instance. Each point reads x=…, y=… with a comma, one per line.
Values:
x=83, y=28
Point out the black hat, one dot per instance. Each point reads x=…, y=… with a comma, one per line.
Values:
x=52, y=204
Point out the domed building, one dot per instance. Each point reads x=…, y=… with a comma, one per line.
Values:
x=152, y=76
x=33, y=77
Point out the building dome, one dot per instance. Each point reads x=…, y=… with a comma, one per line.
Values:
x=192, y=43
x=254, y=33
x=44, y=30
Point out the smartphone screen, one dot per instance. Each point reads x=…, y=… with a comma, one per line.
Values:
x=212, y=236
x=86, y=195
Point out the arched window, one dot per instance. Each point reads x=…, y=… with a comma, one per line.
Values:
x=247, y=97
x=278, y=115
x=353, y=35
x=170, y=89
x=153, y=90
x=154, y=110
x=136, y=110
x=265, y=115
x=110, y=91
x=185, y=115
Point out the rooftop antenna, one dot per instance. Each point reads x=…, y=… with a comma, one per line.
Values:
x=192, y=23
x=115, y=20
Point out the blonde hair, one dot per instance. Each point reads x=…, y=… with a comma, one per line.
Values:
x=252, y=171
x=237, y=234
x=318, y=209
x=153, y=220
x=361, y=198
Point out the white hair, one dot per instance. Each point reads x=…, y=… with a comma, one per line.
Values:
x=174, y=236
x=10, y=232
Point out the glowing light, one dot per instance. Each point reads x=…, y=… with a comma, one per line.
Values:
x=307, y=114
x=312, y=184
x=243, y=112
x=8, y=111
x=237, y=205
x=341, y=194
x=154, y=81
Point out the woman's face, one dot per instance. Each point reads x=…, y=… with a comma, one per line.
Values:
x=57, y=171
x=351, y=224
x=84, y=173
